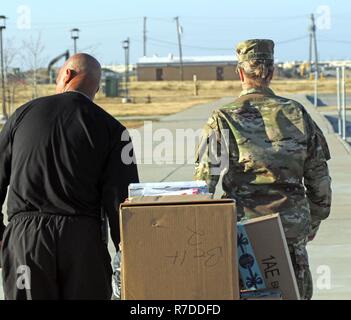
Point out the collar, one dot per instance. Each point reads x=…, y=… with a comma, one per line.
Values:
x=80, y=93
x=265, y=91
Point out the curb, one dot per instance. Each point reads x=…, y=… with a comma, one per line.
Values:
x=312, y=109
x=344, y=143
x=328, y=124
x=329, y=127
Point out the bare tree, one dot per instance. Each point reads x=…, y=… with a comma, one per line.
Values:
x=33, y=57
x=12, y=77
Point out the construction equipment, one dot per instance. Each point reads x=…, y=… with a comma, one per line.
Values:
x=304, y=68
x=51, y=74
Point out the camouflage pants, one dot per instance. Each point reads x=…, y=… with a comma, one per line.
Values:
x=299, y=259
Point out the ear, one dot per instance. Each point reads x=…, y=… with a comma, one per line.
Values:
x=271, y=75
x=241, y=75
x=68, y=76
x=58, y=76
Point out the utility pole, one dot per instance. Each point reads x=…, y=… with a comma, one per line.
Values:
x=180, y=48
x=310, y=56
x=313, y=45
x=315, y=48
x=145, y=38
x=2, y=27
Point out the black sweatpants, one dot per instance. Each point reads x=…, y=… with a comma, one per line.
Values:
x=48, y=256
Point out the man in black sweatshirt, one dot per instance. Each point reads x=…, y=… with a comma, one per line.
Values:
x=68, y=165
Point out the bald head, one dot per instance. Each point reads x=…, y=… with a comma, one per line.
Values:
x=80, y=72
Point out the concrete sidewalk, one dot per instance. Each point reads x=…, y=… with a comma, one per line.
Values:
x=192, y=119
x=330, y=251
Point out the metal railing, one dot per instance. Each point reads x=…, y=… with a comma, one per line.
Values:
x=341, y=100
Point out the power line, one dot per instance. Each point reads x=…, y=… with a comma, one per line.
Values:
x=291, y=40
x=161, y=19
x=89, y=21
x=219, y=49
x=188, y=46
x=61, y=25
x=168, y=20
x=335, y=41
x=272, y=18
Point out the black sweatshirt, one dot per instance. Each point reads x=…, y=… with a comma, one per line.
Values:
x=64, y=155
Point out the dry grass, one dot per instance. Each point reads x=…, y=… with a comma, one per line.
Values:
x=306, y=86
x=157, y=108
x=163, y=101
x=171, y=97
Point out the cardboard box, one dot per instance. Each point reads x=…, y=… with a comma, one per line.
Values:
x=179, y=250
x=266, y=294
x=267, y=238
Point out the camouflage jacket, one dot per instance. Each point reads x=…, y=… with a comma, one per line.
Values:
x=272, y=158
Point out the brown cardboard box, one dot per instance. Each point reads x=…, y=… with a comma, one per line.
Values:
x=272, y=254
x=179, y=250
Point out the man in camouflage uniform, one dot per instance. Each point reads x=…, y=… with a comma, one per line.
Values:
x=276, y=157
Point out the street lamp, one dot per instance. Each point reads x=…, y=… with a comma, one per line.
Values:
x=2, y=27
x=125, y=45
x=75, y=36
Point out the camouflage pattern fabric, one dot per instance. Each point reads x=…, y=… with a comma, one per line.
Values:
x=255, y=49
x=299, y=259
x=273, y=159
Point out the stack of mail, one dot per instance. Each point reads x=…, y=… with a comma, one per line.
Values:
x=167, y=188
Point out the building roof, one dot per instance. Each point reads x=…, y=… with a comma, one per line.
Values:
x=197, y=60
x=119, y=68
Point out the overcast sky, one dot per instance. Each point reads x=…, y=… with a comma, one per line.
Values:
x=209, y=27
